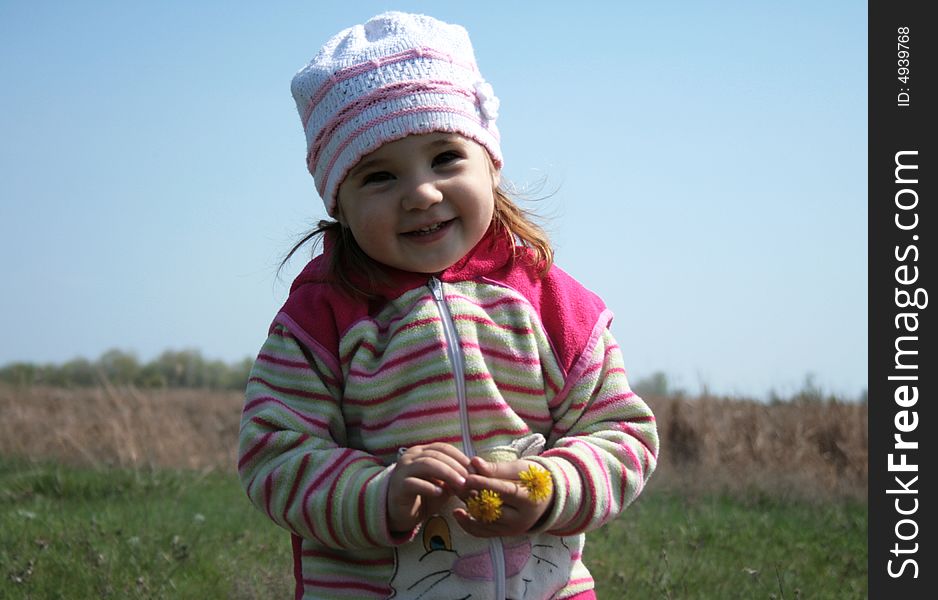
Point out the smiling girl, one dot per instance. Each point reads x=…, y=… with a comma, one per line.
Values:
x=433, y=357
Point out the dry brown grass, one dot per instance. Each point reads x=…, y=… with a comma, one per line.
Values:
x=803, y=450
x=810, y=450
x=125, y=426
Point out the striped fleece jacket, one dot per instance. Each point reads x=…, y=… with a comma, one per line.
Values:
x=480, y=356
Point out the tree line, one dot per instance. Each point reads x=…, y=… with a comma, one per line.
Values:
x=171, y=369
x=189, y=369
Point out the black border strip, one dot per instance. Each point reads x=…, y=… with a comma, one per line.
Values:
x=902, y=374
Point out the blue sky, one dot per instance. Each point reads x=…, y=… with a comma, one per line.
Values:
x=704, y=165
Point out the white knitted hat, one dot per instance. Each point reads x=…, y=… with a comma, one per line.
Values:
x=398, y=74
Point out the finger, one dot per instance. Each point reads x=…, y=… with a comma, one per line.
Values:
x=507, y=488
x=440, y=453
x=482, y=467
x=501, y=470
x=435, y=471
x=450, y=451
x=413, y=486
x=454, y=463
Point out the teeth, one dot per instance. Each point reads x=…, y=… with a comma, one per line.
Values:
x=430, y=229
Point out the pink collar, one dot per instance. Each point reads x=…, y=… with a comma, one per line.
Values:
x=492, y=253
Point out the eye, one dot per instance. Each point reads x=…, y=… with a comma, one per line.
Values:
x=436, y=535
x=444, y=158
x=377, y=177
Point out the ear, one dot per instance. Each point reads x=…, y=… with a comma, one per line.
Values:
x=496, y=177
x=338, y=215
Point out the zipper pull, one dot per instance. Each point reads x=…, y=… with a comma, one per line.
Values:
x=437, y=288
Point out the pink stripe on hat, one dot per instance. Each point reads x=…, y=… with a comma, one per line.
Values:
x=371, y=126
x=396, y=75
x=385, y=94
x=355, y=70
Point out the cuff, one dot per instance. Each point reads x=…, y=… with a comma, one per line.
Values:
x=566, y=500
x=378, y=520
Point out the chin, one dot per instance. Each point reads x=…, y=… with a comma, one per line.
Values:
x=432, y=267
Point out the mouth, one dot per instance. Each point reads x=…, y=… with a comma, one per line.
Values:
x=429, y=229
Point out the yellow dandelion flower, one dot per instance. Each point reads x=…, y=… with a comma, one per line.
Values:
x=485, y=507
x=537, y=481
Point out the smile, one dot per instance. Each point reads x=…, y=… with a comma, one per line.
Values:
x=429, y=229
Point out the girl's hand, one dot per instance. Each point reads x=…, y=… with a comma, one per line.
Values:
x=422, y=481
x=519, y=511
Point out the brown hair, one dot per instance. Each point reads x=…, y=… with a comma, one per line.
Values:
x=510, y=220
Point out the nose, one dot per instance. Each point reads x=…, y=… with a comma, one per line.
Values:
x=421, y=194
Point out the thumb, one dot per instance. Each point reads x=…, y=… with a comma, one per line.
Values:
x=498, y=470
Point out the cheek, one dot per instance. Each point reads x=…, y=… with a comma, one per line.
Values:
x=364, y=235
x=490, y=208
x=486, y=210
x=374, y=232
x=360, y=222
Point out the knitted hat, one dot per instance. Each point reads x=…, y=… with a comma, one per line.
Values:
x=398, y=74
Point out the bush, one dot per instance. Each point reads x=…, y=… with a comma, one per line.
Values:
x=171, y=369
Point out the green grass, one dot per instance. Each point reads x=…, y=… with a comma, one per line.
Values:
x=727, y=547
x=69, y=533
x=85, y=533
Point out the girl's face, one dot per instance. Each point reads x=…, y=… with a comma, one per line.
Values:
x=420, y=203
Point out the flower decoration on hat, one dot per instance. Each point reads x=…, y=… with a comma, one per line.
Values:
x=488, y=101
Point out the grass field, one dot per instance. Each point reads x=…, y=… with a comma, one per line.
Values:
x=121, y=493
x=119, y=533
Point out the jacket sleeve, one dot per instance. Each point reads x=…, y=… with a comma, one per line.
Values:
x=293, y=462
x=604, y=442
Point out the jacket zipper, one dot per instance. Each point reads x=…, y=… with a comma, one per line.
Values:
x=457, y=360
x=454, y=351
